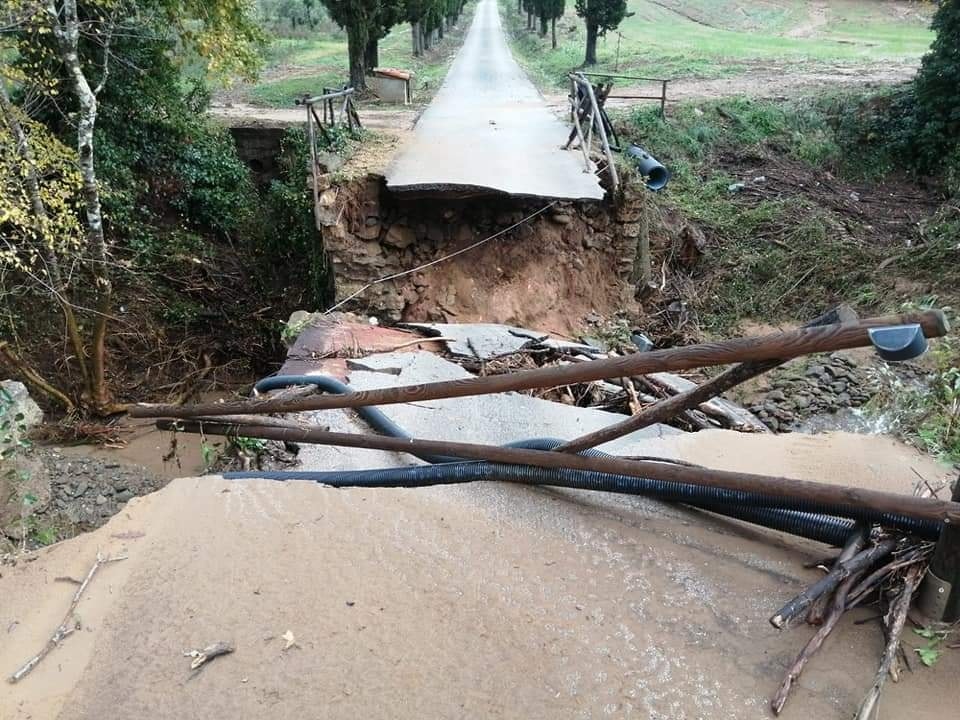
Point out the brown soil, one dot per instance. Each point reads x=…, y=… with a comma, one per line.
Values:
x=549, y=272
x=482, y=601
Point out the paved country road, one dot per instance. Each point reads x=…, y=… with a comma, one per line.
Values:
x=489, y=128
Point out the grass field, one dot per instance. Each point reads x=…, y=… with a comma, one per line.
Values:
x=295, y=66
x=717, y=38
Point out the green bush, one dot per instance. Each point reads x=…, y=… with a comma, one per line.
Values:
x=293, y=239
x=937, y=89
x=216, y=189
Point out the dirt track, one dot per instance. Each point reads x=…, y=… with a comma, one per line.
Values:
x=479, y=601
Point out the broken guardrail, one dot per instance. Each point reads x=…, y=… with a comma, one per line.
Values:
x=777, y=346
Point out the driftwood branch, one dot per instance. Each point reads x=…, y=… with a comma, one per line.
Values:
x=837, y=607
x=818, y=608
x=202, y=657
x=898, y=618
x=843, y=570
x=68, y=625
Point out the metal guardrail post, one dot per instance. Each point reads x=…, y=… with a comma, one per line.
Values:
x=939, y=599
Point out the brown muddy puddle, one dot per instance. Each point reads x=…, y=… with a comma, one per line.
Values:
x=153, y=449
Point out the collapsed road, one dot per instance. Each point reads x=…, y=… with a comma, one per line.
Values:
x=485, y=599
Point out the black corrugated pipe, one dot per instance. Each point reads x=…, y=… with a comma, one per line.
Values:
x=750, y=507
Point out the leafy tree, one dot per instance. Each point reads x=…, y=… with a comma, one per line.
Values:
x=599, y=16
x=64, y=55
x=293, y=13
x=937, y=88
x=551, y=10
x=389, y=13
x=364, y=20
x=428, y=18
x=530, y=8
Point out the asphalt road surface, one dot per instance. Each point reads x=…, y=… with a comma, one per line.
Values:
x=489, y=129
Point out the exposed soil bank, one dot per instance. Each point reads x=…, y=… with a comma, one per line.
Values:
x=547, y=272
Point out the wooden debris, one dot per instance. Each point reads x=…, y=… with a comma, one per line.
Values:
x=69, y=623
x=733, y=415
x=856, y=564
x=837, y=607
x=818, y=608
x=898, y=617
x=202, y=657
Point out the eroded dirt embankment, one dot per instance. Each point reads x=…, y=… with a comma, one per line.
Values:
x=546, y=271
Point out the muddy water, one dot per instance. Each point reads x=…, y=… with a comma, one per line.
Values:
x=147, y=447
x=164, y=454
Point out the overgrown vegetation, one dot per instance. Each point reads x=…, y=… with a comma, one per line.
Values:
x=774, y=188
x=154, y=227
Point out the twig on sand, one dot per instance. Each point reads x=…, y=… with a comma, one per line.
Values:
x=837, y=607
x=68, y=625
x=898, y=615
x=202, y=657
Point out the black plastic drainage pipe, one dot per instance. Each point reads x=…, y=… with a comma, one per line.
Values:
x=750, y=507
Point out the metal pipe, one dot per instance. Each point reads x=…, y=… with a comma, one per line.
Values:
x=782, y=491
x=778, y=346
x=325, y=96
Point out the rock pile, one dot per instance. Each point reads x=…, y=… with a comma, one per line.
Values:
x=79, y=494
x=823, y=385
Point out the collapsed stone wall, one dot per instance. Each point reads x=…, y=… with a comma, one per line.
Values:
x=570, y=260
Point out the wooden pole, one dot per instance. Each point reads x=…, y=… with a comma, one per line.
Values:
x=611, y=167
x=777, y=346
x=853, y=500
x=673, y=406
x=312, y=142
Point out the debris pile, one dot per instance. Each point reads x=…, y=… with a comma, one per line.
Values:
x=874, y=567
x=888, y=535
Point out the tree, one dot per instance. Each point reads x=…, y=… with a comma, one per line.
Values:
x=364, y=20
x=63, y=52
x=553, y=10
x=599, y=16
x=937, y=88
x=530, y=8
x=388, y=14
x=414, y=12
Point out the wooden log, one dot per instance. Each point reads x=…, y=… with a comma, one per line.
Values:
x=856, y=564
x=777, y=346
x=816, y=598
x=667, y=409
x=737, y=417
x=850, y=499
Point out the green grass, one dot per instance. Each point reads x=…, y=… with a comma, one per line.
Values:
x=773, y=258
x=736, y=36
x=298, y=66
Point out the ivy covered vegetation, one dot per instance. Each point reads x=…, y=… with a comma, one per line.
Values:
x=132, y=238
